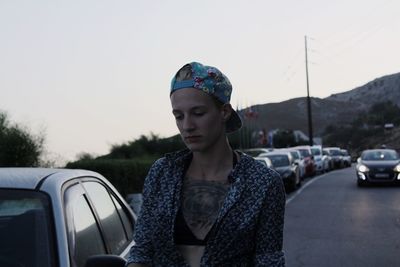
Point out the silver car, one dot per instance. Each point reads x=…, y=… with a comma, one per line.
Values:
x=60, y=217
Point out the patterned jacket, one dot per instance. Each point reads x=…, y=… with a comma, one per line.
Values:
x=248, y=230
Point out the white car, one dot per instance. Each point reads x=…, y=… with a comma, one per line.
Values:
x=255, y=152
x=61, y=218
x=266, y=161
x=321, y=162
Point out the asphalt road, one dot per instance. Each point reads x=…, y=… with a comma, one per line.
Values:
x=331, y=222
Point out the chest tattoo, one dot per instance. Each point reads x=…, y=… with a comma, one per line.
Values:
x=201, y=202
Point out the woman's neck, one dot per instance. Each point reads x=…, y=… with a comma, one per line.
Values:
x=212, y=165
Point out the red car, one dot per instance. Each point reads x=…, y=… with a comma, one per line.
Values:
x=305, y=152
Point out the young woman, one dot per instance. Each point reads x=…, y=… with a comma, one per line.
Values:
x=208, y=205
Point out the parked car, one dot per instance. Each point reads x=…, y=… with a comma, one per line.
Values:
x=346, y=158
x=321, y=163
x=306, y=154
x=298, y=160
x=266, y=161
x=285, y=165
x=378, y=166
x=61, y=218
x=328, y=158
x=254, y=152
x=336, y=156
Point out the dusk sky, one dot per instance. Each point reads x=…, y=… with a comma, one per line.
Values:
x=93, y=73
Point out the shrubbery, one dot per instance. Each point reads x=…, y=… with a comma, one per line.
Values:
x=366, y=128
x=127, y=175
x=127, y=164
x=18, y=147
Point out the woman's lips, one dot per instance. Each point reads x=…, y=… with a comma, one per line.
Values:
x=192, y=138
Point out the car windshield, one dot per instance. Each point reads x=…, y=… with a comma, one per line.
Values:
x=25, y=229
x=279, y=160
x=380, y=155
x=316, y=151
x=304, y=153
x=335, y=152
x=344, y=153
x=295, y=155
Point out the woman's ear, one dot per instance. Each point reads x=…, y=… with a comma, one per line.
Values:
x=226, y=112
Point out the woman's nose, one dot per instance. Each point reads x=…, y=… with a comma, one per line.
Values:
x=188, y=123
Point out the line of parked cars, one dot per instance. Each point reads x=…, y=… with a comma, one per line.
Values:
x=294, y=164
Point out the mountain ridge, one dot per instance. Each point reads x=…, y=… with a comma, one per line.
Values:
x=338, y=109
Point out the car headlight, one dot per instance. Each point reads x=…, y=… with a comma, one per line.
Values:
x=362, y=168
x=397, y=168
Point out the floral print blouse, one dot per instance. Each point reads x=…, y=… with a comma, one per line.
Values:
x=249, y=227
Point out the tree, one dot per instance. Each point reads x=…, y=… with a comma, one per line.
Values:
x=284, y=138
x=18, y=147
x=145, y=146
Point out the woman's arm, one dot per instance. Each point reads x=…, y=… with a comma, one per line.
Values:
x=142, y=252
x=269, y=239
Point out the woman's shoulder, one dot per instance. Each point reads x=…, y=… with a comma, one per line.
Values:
x=256, y=172
x=171, y=159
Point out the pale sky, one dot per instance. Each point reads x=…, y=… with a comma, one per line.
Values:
x=92, y=73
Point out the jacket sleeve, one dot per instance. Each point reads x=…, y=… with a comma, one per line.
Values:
x=269, y=239
x=142, y=251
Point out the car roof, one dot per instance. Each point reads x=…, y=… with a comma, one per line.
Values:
x=288, y=150
x=30, y=178
x=275, y=152
x=332, y=147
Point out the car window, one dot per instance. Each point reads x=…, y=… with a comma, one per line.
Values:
x=279, y=160
x=26, y=229
x=85, y=237
x=126, y=219
x=110, y=219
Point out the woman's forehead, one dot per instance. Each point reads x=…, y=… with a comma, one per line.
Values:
x=188, y=98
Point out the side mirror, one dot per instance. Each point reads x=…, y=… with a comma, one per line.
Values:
x=358, y=160
x=105, y=261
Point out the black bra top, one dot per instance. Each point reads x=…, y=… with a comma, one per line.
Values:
x=184, y=236
x=182, y=233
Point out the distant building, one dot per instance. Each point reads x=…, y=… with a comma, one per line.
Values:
x=388, y=126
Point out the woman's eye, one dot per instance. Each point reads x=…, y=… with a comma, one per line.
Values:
x=199, y=113
x=178, y=117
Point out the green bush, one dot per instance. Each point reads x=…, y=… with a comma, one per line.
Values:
x=18, y=146
x=127, y=175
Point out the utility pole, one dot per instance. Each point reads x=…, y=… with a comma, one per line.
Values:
x=310, y=129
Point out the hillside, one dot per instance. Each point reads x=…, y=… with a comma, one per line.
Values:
x=378, y=90
x=337, y=109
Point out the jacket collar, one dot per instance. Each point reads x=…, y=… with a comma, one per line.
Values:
x=181, y=160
